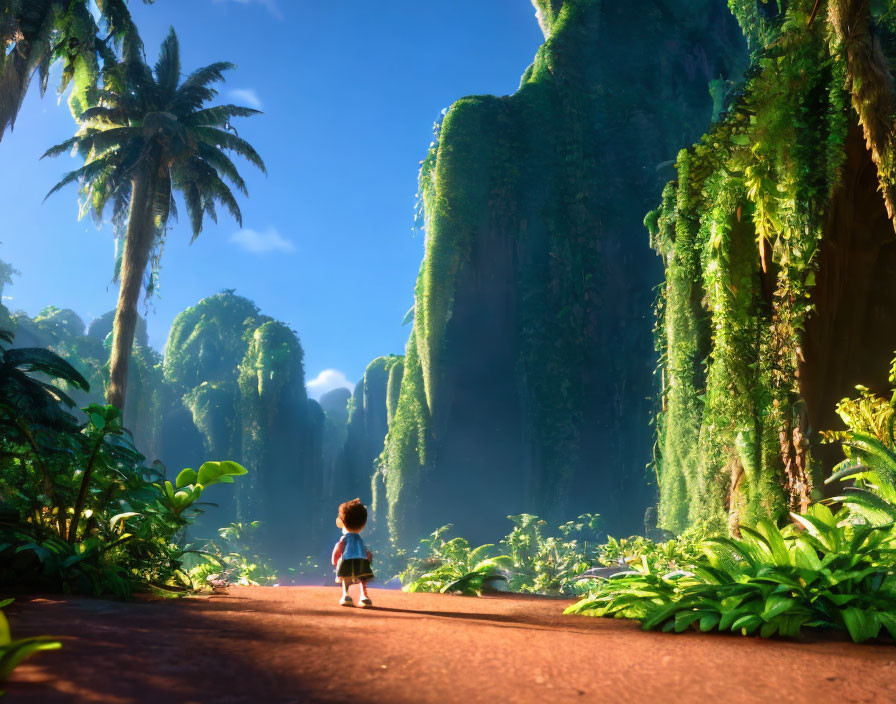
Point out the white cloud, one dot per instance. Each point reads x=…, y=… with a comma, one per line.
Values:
x=271, y=5
x=247, y=97
x=328, y=380
x=262, y=242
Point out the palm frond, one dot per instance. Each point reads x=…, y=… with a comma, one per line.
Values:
x=86, y=173
x=225, y=140
x=223, y=165
x=62, y=148
x=220, y=115
x=104, y=114
x=193, y=201
x=167, y=69
x=213, y=73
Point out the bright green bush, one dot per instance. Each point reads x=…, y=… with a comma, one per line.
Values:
x=869, y=444
x=550, y=564
x=79, y=511
x=872, y=465
x=528, y=560
x=232, y=559
x=657, y=556
x=822, y=571
x=441, y=565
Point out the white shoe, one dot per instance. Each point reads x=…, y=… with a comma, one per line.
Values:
x=346, y=600
x=365, y=601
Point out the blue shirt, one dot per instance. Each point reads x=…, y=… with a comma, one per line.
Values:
x=354, y=547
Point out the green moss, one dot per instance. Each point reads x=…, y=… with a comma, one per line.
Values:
x=405, y=452
x=393, y=388
x=272, y=416
x=207, y=342
x=241, y=375
x=740, y=233
x=371, y=413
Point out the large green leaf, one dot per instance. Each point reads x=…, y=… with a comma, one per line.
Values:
x=862, y=624
x=186, y=476
x=216, y=472
x=31, y=359
x=776, y=605
x=868, y=505
x=16, y=651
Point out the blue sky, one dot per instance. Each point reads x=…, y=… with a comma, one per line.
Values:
x=350, y=91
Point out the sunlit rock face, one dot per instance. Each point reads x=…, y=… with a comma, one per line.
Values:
x=528, y=377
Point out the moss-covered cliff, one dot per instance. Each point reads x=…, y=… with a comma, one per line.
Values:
x=780, y=263
x=241, y=375
x=368, y=423
x=335, y=407
x=530, y=364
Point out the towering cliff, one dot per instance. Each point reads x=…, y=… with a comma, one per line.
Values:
x=335, y=407
x=528, y=374
x=368, y=423
x=241, y=376
x=777, y=237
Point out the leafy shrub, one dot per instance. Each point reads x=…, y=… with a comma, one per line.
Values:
x=871, y=464
x=13, y=652
x=644, y=552
x=869, y=444
x=528, y=559
x=823, y=571
x=232, y=559
x=550, y=564
x=79, y=511
x=441, y=565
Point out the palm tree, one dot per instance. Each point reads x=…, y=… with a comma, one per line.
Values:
x=34, y=34
x=147, y=136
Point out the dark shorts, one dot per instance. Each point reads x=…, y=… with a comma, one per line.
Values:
x=352, y=571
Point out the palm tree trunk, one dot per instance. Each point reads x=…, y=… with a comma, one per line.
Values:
x=137, y=247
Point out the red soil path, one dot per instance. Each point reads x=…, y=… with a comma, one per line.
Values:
x=295, y=644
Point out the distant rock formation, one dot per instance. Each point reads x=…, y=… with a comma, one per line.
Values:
x=335, y=407
x=368, y=422
x=100, y=328
x=241, y=376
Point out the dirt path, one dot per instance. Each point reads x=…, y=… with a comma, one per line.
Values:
x=295, y=644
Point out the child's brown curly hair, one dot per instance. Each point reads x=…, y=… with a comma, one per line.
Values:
x=353, y=514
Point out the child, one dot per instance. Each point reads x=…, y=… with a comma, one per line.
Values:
x=350, y=556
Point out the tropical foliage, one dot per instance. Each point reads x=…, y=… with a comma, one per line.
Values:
x=447, y=566
x=78, y=509
x=35, y=34
x=750, y=344
x=232, y=559
x=529, y=559
x=869, y=444
x=823, y=571
x=146, y=135
x=13, y=652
